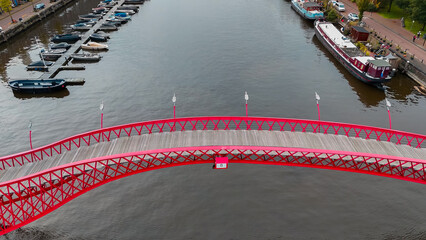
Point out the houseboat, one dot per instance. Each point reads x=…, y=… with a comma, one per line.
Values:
x=365, y=68
x=307, y=9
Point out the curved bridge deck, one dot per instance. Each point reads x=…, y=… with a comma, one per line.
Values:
x=36, y=182
x=217, y=138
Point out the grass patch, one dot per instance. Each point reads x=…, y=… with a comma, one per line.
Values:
x=395, y=12
x=414, y=28
x=398, y=13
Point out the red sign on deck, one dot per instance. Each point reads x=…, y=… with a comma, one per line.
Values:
x=221, y=163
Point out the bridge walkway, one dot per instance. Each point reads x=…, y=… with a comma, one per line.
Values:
x=217, y=138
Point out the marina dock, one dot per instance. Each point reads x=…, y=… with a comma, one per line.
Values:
x=62, y=62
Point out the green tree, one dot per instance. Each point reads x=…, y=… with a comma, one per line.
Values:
x=364, y=5
x=390, y=5
x=6, y=5
x=403, y=4
x=418, y=11
x=332, y=16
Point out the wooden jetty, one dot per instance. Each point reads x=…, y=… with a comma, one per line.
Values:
x=61, y=63
x=74, y=81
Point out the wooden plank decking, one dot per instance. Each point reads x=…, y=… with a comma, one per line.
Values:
x=216, y=138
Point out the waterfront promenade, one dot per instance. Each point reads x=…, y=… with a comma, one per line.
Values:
x=23, y=11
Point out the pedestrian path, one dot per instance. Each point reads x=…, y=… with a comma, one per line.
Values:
x=392, y=30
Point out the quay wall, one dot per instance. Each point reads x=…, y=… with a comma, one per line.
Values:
x=19, y=27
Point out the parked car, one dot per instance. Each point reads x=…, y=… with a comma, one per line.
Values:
x=353, y=17
x=38, y=6
x=340, y=6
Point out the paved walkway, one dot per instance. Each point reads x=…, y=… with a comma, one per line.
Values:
x=392, y=30
x=23, y=11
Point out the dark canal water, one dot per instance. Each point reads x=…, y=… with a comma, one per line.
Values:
x=209, y=53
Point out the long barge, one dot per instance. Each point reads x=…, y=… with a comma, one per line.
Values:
x=368, y=69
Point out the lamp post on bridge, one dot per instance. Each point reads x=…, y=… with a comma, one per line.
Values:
x=388, y=105
x=246, y=97
x=317, y=97
x=101, y=107
x=174, y=105
x=29, y=126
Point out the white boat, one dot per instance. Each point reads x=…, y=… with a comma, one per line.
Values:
x=87, y=57
x=128, y=11
x=94, y=46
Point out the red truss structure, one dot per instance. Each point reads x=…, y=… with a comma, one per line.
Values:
x=28, y=198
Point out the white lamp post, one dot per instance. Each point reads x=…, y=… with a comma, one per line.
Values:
x=101, y=107
x=174, y=105
x=388, y=105
x=29, y=126
x=317, y=97
x=246, y=97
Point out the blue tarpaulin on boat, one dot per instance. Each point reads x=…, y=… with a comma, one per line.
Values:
x=121, y=14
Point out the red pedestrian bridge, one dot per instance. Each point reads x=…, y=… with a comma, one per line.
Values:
x=36, y=182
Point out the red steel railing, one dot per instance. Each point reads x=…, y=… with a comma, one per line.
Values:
x=213, y=123
x=28, y=198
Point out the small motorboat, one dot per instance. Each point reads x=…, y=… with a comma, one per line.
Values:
x=96, y=37
x=90, y=16
x=134, y=1
x=86, y=57
x=90, y=22
x=71, y=38
x=39, y=65
x=37, y=85
x=122, y=15
x=52, y=55
x=60, y=45
x=108, y=27
x=115, y=22
x=128, y=11
x=81, y=27
x=129, y=7
x=99, y=10
x=94, y=46
x=117, y=19
x=107, y=5
x=57, y=51
x=103, y=34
